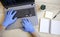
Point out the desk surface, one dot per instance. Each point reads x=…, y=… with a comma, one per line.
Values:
x=36, y=27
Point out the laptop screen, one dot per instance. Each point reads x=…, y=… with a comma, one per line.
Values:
x=8, y=3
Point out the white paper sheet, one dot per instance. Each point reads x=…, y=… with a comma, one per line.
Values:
x=55, y=27
x=44, y=25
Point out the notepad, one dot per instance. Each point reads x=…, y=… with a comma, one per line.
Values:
x=49, y=14
x=50, y=26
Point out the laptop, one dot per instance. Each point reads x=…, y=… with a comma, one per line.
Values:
x=24, y=8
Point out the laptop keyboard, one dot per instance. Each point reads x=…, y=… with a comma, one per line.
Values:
x=25, y=13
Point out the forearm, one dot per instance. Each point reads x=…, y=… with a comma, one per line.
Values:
x=35, y=34
x=2, y=28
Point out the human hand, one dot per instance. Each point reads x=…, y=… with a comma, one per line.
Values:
x=8, y=18
x=28, y=26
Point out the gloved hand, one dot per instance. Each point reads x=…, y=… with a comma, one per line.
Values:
x=27, y=25
x=8, y=18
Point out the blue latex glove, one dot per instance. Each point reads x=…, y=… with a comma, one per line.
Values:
x=8, y=18
x=28, y=26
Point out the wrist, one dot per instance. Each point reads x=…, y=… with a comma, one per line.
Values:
x=33, y=34
x=5, y=24
x=32, y=31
